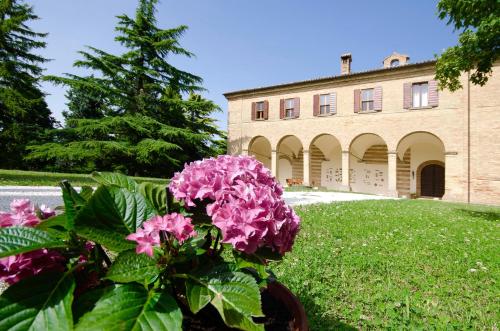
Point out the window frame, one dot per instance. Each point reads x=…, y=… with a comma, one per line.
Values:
x=289, y=106
x=326, y=106
x=259, y=111
x=419, y=84
x=369, y=102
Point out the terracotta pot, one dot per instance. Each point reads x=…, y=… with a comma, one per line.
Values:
x=284, y=295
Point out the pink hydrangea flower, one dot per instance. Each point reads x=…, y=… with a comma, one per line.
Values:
x=245, y=201
x=14, y=268
x=17, y=267
x=46, y=212
x=148, y=236
x=22, y=214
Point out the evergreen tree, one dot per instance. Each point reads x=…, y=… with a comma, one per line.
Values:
x=144, y=128
x=85, y=102
x=24, y=115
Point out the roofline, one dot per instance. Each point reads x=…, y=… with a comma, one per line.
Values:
x=346, y=77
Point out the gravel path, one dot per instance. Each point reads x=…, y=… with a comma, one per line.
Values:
x=51, y=196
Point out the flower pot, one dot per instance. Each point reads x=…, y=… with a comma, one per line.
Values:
x=284, y=295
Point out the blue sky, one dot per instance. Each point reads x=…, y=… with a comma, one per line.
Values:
x=244, y=44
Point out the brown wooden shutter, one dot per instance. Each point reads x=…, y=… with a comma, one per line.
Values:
x=316, y=105
x=407, y=95
x=296, y=107
x=333, y=103
x=254, y=110
x=433, y=94
x=357, y=100
x=377, y=98
x=282, y=108
x=266, y=109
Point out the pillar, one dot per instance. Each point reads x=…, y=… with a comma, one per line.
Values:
x=274, y=163
x=392, y=174
x=244, y=152
x=306, y=164
x=455, y=182
x=345, y=171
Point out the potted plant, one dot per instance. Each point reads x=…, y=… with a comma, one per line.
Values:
x=129, y=256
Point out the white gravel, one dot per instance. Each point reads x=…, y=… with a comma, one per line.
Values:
x=306, y=198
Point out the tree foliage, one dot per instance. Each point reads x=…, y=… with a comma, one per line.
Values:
x=24, y=115
x=479, y=41
x=130, y=114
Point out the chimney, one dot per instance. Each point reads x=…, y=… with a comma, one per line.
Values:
x=345, y=64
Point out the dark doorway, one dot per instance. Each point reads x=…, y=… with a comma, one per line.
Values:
x=432, y=181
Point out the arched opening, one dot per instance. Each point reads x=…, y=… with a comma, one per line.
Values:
x=415, y=151
x=368, y=164
x=290, y=161
x=325, y=155
x=260, y=148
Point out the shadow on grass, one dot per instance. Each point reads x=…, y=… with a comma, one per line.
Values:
x=486, y=215
x=316, y=318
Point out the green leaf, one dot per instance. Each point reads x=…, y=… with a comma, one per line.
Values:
x=86, y=301
x=15, y=240
x=115, y=179
x=132, y=307
x=86, y=192
x=251, y=261
x=156, y=194
x=111, y=214
x=40, y=303
x=72, y=203
x=234, y=294
x=130, y=267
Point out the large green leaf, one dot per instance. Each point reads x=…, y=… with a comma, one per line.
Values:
x=111, y=214
x=40, y=303
x=115, y=179
x=72, y=203
x=15, y=240
x=234, y=294
x=130, y=267
x=132, y=307
x=156, y=194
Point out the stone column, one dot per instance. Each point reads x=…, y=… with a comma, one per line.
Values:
x=392, y=174
x=345, y=171
x=306, y=163
x=274, y=163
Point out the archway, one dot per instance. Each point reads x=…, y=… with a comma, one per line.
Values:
x=368, y=164
x=260, y=148
x=325, y=162
x=415, y=151
x=290, y=161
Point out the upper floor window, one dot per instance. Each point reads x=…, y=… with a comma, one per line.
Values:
x=394, y=63
x=367, y=99
x=324, y=104
x=259, y=110
x=289, y=105
x=420, y=94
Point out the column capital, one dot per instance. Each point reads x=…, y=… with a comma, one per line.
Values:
x=450, y=153
x=305, y=151
x=391, y=152
x=273, y=151
x=345, y=152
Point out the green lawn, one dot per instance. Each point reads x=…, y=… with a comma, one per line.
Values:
x=37, y=178
x=408, y=264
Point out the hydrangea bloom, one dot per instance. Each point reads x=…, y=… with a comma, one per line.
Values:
x=148, y=236
x=245, y=201
x=15, y=268
x=22, y=214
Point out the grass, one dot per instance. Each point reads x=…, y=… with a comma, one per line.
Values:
x=406, y=264
x=37, y=178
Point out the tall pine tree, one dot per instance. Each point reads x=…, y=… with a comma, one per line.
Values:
x=146, y=126
x=24, y=115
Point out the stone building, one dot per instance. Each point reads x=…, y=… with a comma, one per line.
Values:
x=387, y=131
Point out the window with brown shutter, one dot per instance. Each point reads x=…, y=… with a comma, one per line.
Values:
x=420, y=95
x=316, y=105
x=324, y=104
x=296, y=107
x=259, y=110
x=289, y=103
x=357, y=99
x=433, y=94
x=252, y=115
x=266, y=110
x=367, y=99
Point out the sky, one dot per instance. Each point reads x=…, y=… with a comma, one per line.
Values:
x=243, y=44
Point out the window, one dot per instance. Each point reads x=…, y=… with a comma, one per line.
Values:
x=394, y=63
x=324, y=104
x=367, y=99
x=259, y=110
x=420, y=95
x=289, y=108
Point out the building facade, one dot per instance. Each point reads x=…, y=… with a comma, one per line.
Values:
x=388, y=131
